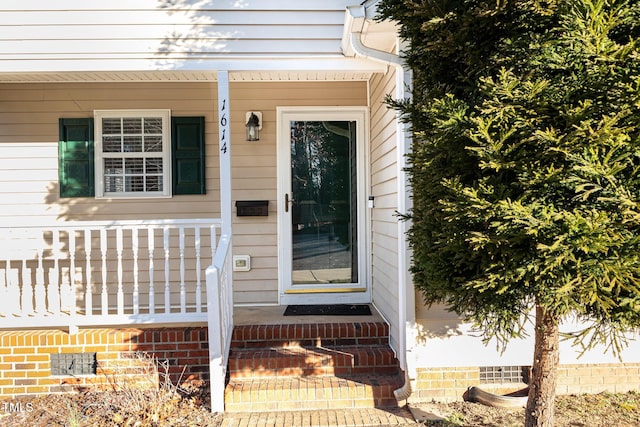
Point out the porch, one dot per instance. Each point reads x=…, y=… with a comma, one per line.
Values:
x=158, y=283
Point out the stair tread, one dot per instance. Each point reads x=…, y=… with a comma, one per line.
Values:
x=338, y=347
x=296, y=361
x=323, y=350
x=291, y=393
x=358, y=379
x=309, y=334
x=330, y=417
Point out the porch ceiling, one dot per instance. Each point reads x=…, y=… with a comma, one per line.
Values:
x=182, y=76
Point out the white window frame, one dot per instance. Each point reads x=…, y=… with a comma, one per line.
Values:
x=165, y=115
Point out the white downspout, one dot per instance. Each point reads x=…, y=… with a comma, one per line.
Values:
x=406, y=306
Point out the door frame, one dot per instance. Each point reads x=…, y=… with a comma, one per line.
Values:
x=358, y=293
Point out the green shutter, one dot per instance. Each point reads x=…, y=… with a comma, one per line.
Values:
x=75, y=156
x=187, y=151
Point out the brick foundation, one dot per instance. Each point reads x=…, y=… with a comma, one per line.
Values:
x=25, y=357
x=596, y=378
x=449, y=384
x=443, y=384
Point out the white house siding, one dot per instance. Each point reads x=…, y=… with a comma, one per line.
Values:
x=255, y=175
x=442, y=334
x=29, y=114
x=384, y=222
x=75, y=35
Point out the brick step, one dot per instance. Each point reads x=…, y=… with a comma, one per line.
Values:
x=311, y=393
x=305, y=361
x=362, y=417
x=310, y=335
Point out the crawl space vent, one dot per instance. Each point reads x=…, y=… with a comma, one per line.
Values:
x=73, y=364
x=504, y=374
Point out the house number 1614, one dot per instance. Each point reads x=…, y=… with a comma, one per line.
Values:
x=223, y=125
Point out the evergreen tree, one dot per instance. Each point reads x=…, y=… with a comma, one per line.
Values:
x=525, y=168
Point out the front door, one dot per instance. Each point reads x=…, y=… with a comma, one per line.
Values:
x=322, y=254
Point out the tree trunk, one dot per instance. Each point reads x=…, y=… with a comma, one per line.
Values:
x=542, y=384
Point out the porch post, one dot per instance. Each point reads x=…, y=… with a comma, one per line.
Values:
x=218, y=276
x=224, y=133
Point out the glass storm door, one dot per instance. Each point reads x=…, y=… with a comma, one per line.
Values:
x=321, y=222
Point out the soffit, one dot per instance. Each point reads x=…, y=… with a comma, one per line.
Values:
x=380, y=35
x=183, y=76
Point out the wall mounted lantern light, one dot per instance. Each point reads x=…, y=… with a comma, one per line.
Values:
x=253, y=124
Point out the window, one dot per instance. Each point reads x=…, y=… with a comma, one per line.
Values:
x=136, y=154
x=133, y=153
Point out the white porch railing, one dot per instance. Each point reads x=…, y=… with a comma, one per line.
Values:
x=106, y=273
x=220, y=312
x=90, y=273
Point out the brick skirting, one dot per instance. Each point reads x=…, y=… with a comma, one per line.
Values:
x=449, y=384
x=25, y=357
x=25, y=364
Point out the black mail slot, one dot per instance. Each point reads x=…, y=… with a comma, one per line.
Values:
x=252, y=207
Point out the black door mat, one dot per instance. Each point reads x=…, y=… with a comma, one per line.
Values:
x=328, y=310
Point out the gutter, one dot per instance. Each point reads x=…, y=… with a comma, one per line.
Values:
x=352, y=45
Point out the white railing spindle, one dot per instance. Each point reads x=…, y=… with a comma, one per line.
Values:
x=71, y=301
x=53, y=288
x=119, y=249
x=152, y=301
x=136, y=285
x=198, y=269
x=88, y=294
x=183, y=290
x=104, y=296
x=167, y=272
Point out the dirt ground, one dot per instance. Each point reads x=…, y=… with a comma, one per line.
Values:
x=191, y=409
x=588, y=410
x=109, y=408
